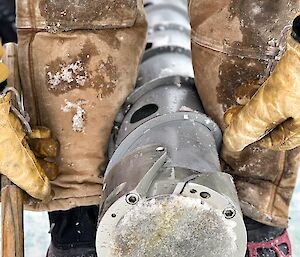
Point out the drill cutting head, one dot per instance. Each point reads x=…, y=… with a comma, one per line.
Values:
x=174, y=226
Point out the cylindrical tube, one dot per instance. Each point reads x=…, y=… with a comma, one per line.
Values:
x=164, y=192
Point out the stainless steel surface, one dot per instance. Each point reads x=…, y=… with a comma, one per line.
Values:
x=164, y=192
x=167, y=13
x=192, y=140
x=179, y=3
x=152, y=101
x=168, y=35
x=165, y=61
x=168, y=23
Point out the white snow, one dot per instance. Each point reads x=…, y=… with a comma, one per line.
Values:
x=165, y=72
x=256, y=9
x=78, y=119
x=68, y=73
x=186, y=109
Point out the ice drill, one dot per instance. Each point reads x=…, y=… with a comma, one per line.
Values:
x=164, y=192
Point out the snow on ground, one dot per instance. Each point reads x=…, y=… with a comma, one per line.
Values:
x=37, y=238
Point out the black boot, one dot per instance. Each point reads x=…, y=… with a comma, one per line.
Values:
x=267, y=241
x=73, y=232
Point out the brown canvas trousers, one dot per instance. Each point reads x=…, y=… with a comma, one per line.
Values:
x=79, y=61
x=231, y=41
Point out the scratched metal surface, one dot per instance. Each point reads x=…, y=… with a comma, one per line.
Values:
x=37, y=238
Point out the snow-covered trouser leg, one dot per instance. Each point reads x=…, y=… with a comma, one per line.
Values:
x=234, y=43
x=78, y=62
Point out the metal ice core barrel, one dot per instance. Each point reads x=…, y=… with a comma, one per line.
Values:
x=164, y=192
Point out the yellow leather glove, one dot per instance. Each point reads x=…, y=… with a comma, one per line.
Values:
x=45, y=149
x=273, y=113
x=18, y=162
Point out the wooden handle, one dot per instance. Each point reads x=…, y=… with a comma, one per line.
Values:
x=11, y=195
x=12, y=219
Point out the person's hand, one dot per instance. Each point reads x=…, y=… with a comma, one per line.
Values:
x=273, y=113
x=18, y=162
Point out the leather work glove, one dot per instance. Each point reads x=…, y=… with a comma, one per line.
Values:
x=17, y=161
x=273, y=113
x=45, y=149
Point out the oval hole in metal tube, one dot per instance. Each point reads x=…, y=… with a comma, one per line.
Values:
x=143, y=112
x=148, y=4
